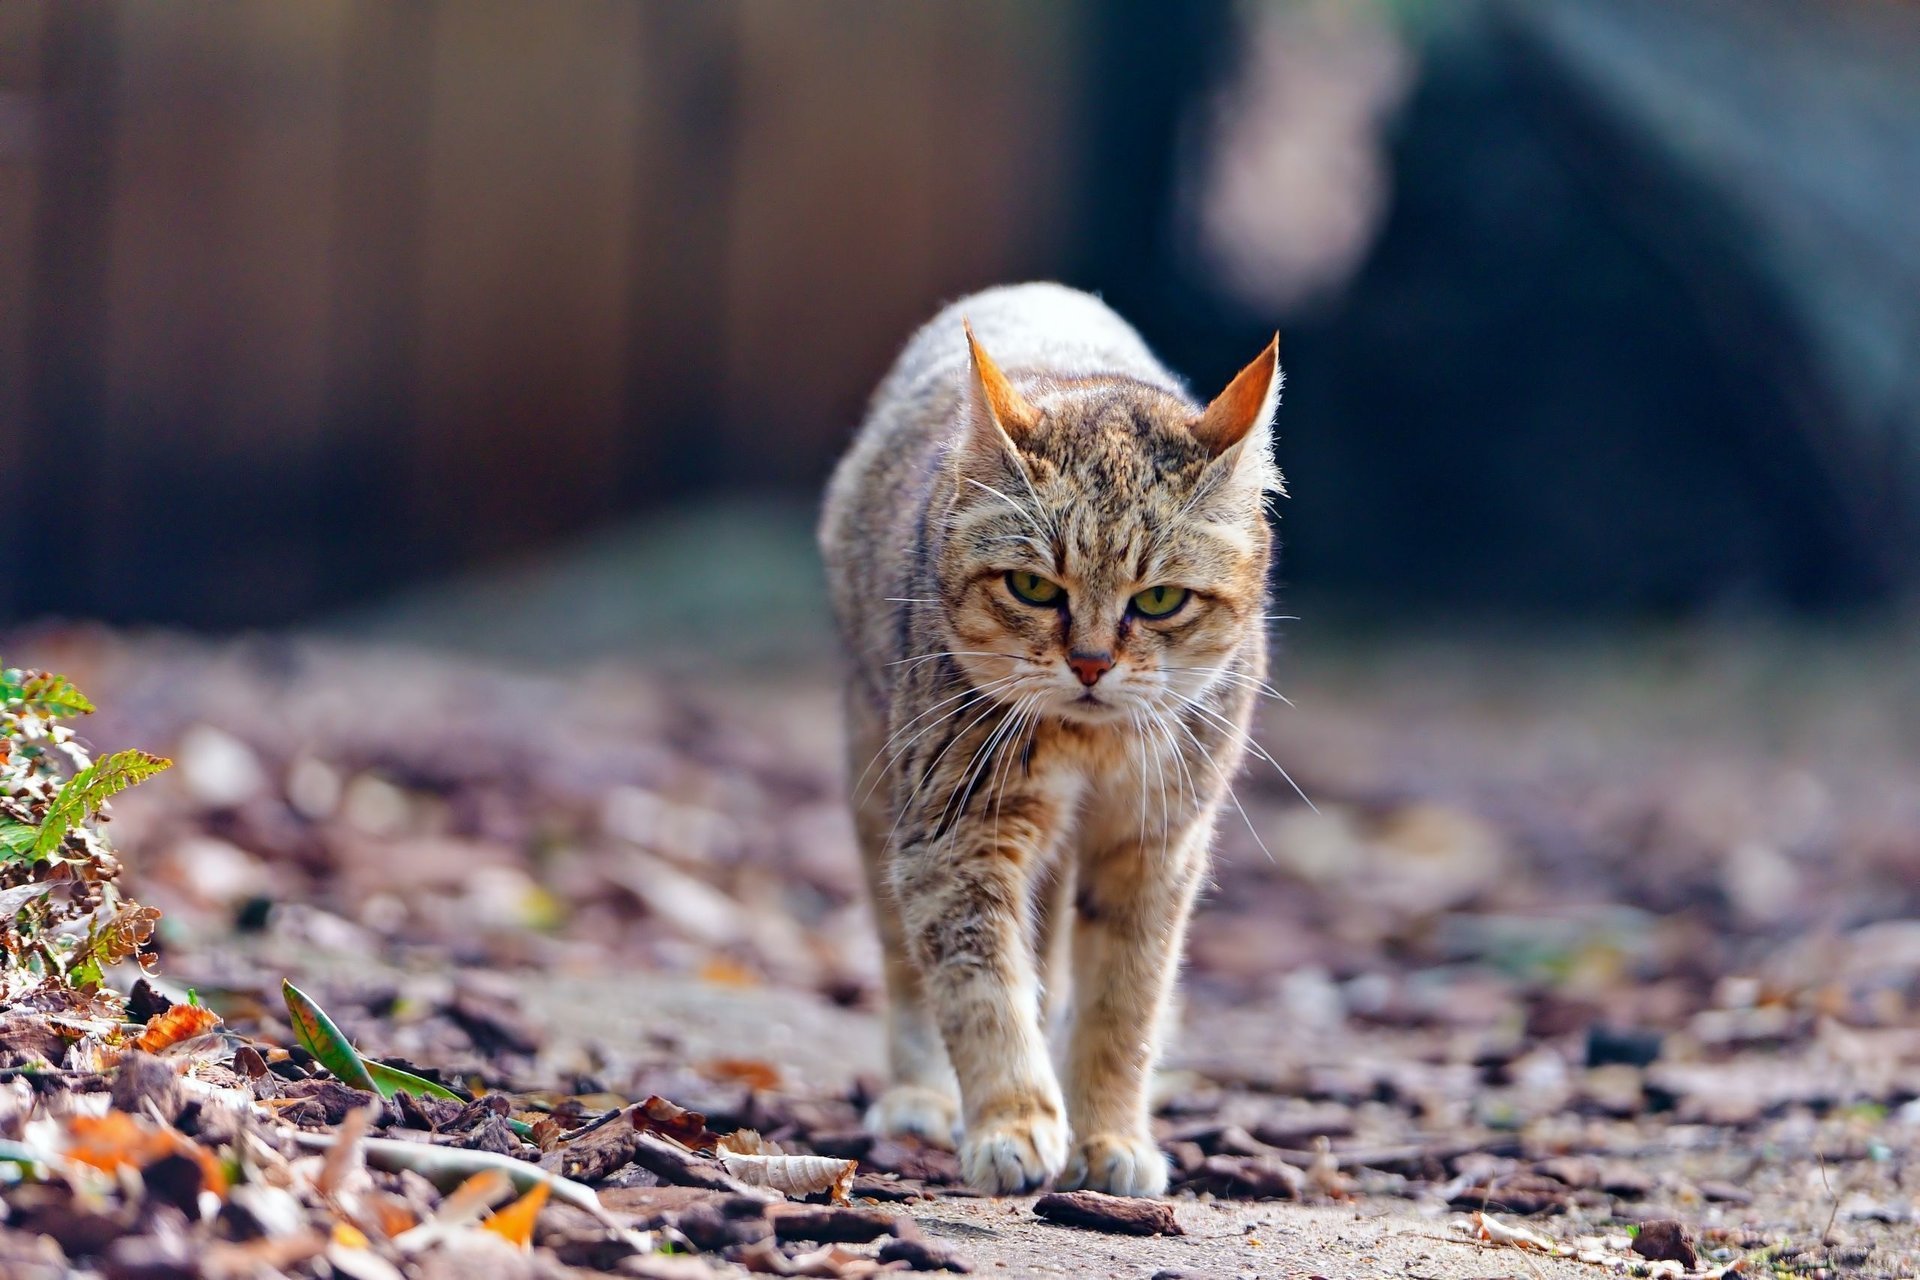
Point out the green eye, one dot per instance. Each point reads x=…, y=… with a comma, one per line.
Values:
x=1159, y=602
x=1033, y=588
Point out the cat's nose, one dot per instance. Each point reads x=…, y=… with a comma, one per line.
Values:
x=1090, y=666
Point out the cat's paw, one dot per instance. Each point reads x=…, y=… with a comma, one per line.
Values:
x=1013, y=1156
x=914, y=1110
x=1117, y=1165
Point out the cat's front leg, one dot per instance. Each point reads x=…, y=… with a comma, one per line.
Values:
x=1129, y=925
x=963, y=898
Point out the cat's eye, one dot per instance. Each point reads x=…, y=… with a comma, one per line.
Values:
x=1034, y=589
x=1159, y=602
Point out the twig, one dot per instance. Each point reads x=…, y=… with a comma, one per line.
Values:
x=1826, y=1232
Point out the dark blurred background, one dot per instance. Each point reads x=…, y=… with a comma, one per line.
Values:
x=1589, y=307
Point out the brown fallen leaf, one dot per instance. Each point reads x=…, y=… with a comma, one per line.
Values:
x=181, y=1022
x=688, y=1128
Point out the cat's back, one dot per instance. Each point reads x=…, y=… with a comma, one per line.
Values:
x=1039, y=328
x=870, y=528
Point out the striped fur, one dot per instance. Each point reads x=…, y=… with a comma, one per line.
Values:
x=1007, y=813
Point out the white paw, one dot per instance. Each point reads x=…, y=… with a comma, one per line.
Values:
x=914, y=1110
x=1117, y=1165
x=1009, y=1157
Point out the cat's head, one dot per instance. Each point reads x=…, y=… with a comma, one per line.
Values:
x=1105, y=553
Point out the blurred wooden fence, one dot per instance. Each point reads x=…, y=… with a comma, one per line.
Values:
x=303, y=299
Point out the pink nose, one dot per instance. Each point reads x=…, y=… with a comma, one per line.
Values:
x=1090, y=666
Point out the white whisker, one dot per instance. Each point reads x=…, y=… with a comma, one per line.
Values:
x=1248, y=741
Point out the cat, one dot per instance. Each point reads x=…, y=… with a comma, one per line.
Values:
x=1048, y=565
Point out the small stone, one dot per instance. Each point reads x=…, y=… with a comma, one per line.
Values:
x=1725, y=1193
x=1665, y=1240
x=1608, y=1044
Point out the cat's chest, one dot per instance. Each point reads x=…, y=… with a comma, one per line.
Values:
x=1111, y=760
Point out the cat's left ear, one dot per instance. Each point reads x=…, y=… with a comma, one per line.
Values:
x=998, y=417
x=1237, y=426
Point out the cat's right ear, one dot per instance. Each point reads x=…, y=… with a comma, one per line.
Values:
x=998, y=416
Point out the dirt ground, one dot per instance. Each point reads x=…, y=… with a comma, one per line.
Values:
x=1582, y=933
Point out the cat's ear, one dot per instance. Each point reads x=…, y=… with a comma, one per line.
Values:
x=1246, y=406
x=998, y=417
x=1237, y=426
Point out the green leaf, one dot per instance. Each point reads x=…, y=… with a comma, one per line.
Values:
x=17, y=839
x=46, y=694
x=325, y=1041
x=391, y=1080
x=83, y=794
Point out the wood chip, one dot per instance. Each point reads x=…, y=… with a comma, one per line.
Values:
x=1117, y=1215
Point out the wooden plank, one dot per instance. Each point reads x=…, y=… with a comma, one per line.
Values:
x=221, y=228
x=524, y=293
x=58, y=438
x=883, y=168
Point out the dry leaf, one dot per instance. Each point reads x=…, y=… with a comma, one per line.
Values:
x=790, y=1175
x=688, y=1128
x=514, y=1223
x=749, y=1142
x=724, y=971
x=182, y=1022
x=343, y=1157
x=748, y=1071
x=1484, y=1226
x=117, y=1140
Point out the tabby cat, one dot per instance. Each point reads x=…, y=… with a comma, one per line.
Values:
x=1049, y=567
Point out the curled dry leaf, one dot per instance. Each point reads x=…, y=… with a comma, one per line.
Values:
x=688, y=1128
x=790, y=1175
x=181, y=1022
x=1484, y=1226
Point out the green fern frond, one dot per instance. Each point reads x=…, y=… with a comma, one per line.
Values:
x=17, y=839
x=42, y=693
x=83, y=794
x=54, y=696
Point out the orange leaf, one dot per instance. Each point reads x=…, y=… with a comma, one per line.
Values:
x=182, y=1022
x=117, y=1140
x=748, y=1071
x=724, y=971
x=514, y=1224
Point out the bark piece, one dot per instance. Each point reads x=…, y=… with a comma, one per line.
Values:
x=923, y=1255
x=1248, y=1178
x=838, y=1226
x=711, y=1228
x=682, y=1168
x=596, y=1154
x=1116, y=1215
x=143, y=1078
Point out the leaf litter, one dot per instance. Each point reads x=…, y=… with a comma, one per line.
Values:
x=1564, y=1048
